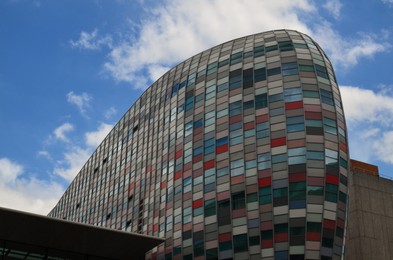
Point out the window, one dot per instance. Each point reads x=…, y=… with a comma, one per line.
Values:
x=210, y=118
x=235, y=108
x=275, y=97
x=327, y=97
x=331, y=157
x=235, y=79
x=209, y=146
x=285, y=46
x=296, y=155
x=236, y=137
x=210, y=207
x=248, y=77
x=237, y=167
x=210, y=92
x=259, y=74
x=271, y=48
x=223, y=63
x=295, y=124
x=289, y=69
x=297, y=195
x=265, y=195
x=321, y=71
x=248, y=104
x=263, y=130
x=238, y=200
x=264, y=161
x=261, y=101
x=223, y=213
x=259, y=51
x=240, y=243
x=236, y=58
x=292, y=94
x=331, y=192
x=273, y=71
x=211, y=68
x=315, y=155
x=330, y=126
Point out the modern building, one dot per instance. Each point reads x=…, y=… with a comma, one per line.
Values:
x=239, y=152
x=370, y=221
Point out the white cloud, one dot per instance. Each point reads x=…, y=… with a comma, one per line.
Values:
x=60, y=132
x=179, y=29
x=379, y=105
x=93, y=139
x=82, y=101
x=333, y=7
x=26, y=193
x=76, y=156
x=91, y=41
x=110, y=112
x=44, y=154
x=9, y=170
x=387, y=1
x=369, y=117
x=346, y=52
x=72, y=163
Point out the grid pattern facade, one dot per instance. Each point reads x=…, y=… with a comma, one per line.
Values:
x=239, y=152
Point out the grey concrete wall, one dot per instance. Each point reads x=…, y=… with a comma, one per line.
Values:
x=370, y=221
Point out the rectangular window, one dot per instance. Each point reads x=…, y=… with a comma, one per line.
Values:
x=327, y=97
x=211, y=68
x=210, y=208
x=238, y=200
x=292, y=94
x=261, y=101
x=289, y=69
x=248, y=78
x=285, y=46
x=264, y=161
x=263, y=130
x=237, y=167
x=236, y=57
x=296, y=155
x=235, y=79
x=259, y=75
x=273, y=71
x=330, y=126
x=321, y=71
x=295, y=124
x=259, y=51
x=223, y=213
x=235, y=108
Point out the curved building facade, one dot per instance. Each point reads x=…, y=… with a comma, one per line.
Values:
x=239, y=152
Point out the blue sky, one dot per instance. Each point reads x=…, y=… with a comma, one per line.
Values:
x=70, y=69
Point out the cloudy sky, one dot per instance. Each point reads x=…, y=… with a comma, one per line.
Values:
x=69, y=70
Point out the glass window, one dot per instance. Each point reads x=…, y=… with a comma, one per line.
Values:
x=223, y=213
x=330, y=126
x=327, y=97
x=285, y=46
x=240, y=243
x=264, y=161
x=235, y=108
x=210, y=207
x=274, y=71
x=321, y=71
x=260, y=74
x=292, y=94
x=236, y=57
x=238, y=200
x=248, y=78
x=235, y=79
x=237, y=167
x=259, y=51
x=271, y=48
x=223, y=63
x=261, y=101
x=289, y=69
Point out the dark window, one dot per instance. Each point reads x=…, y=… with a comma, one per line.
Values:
x=327, y=97
x=260, y=74
x=289, y=69
x=259, y=51
x=240, y=243
x=261, y=101
x=235, y=79
x=274, y=71
x=248, y=78
x=236, y=58
x=224, y=213
x=271, y=48
x=238, y=200
x=235, y=108
x=285, y=46
x=321, y=71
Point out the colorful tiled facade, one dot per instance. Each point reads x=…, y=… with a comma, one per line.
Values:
x=239, y=152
